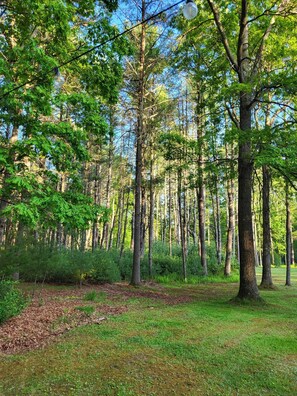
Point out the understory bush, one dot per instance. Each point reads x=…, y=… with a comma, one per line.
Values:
x=104, y=267
x=38, y=262
x=12, y=301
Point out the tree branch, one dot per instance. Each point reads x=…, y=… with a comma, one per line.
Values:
x=265, y=37
x=223, y=35
x=232, y=115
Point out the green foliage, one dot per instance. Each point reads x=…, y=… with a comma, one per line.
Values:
x=12, y=301
x=39, y=262
x=95, y=296
x=87, y=309
x=104, y=268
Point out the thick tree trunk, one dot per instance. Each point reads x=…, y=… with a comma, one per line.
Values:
x=266, y=250
x=248, y=286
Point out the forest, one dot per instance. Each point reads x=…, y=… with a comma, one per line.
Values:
x=172, y=144
x=148, y=144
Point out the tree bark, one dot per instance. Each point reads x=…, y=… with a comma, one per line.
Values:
x=266, y=281
x=231, y=227
x=182, y=224
x=246, y=72
x=136, y=280
x=288, y=238
x=169, y=214
x=248, y=284
x=151, y=221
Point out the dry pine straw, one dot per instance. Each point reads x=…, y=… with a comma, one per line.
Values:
x=52, y=312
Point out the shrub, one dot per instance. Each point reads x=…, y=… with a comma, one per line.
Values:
x=12, y=301
x=104, y=268
x=125, y=264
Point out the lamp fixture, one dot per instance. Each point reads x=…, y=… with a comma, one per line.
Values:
x=190, y=10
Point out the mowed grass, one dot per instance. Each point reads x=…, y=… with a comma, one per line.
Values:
x=205, y=347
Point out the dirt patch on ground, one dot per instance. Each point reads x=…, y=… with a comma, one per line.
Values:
x=53, y=311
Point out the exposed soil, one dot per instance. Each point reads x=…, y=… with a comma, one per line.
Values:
x=53, y=311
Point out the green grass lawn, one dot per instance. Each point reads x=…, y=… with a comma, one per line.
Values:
x=205, y=347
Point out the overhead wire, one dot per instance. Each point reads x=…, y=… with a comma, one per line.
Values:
x=56, y=68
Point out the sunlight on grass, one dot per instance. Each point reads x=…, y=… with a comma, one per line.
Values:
x=203, y=347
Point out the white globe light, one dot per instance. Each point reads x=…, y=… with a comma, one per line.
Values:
x=190, y=10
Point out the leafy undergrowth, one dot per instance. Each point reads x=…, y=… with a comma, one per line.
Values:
x=178, y=340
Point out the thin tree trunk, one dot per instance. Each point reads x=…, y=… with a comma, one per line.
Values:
x=95, y=230
x=231, y=226
x=139, y=160
x=200, y=191
x=105, y=231
x=169, y=215
x=182, y=225
x=218, y=223
x=120, y=217
x=4, y=199
x=151, y=221
x=288, y=238
x=266, y=250
x=125, y=226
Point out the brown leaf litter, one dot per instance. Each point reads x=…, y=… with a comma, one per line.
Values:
x=53, y=311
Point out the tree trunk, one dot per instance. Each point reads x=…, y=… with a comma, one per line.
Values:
x=248, y=284
x=120, y=217
x=218, y=222
x=151, y=221
x=200, y=191
x=231, y=227
x=139, y=142
x=125, y=226
x=169, y=215
x=105, y=231
x=97, y=184
x=4, y=199
x=288, y=238
x=182, y=225
x=266, y=249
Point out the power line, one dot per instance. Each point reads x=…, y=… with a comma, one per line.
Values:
x=55, y=69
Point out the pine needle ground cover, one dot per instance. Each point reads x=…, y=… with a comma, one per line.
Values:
x=167, y=340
